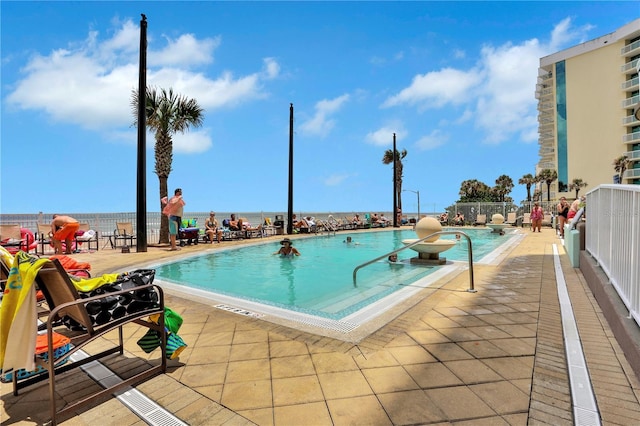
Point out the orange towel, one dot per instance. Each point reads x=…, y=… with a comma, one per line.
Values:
x=70, y=263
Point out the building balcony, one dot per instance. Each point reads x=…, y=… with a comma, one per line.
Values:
x=630, y=67
x=545, y=106
x=634, y=155
x=631, y=137
x=630, y=120
x=631, y=174
x=631, y=85
x=631, y=49
x=546, y=151
x=631, y=102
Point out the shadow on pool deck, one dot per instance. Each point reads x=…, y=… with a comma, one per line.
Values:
x=492, y=357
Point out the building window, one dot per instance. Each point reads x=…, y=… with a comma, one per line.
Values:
x=561, y=126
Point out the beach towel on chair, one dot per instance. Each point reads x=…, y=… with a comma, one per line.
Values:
x=110, y=308
x=175, y=344
x=18, y=318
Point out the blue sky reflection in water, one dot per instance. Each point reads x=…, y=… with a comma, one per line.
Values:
x=318, y=282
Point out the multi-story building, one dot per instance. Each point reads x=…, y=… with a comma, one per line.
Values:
x=586, y=98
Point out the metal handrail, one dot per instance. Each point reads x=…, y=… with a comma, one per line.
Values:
x=408, y=246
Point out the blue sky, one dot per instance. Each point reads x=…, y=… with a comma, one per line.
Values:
x=454, y=80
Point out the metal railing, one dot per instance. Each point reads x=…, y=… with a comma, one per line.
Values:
x=613, y=239
x=408, y=246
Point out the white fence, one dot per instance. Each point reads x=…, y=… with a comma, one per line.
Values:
x=613, y=239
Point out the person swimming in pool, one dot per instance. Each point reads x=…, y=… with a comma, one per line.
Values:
x=287, y=250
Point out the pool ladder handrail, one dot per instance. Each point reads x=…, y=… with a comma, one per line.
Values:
x=471, y=288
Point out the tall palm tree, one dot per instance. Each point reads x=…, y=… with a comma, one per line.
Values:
x=504, y=185
x=576, y=185
x=621, y=164
x=473, y=190
x=529, y=180
x=387, y=158
x=167, y=113
x=548, y=176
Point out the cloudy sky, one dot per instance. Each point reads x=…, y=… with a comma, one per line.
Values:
x=455, y=82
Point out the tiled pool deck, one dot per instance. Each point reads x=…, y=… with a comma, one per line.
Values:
x=493, y=357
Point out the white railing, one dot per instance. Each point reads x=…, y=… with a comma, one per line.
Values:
x=613, y=239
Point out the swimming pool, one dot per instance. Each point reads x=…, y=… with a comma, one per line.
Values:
x=318, y=283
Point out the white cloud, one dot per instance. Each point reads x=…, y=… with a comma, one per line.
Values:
x=184, y=51
x=384, y=135
x=497, y=92
x=564, y=34
x=89, y=83
x=321, y=123
x=336, y=179
x=436, y=89
x=433, y=140
x=191, y=142
x=271, y=68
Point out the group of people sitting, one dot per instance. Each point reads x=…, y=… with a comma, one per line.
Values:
x=214, y=231
x=374, y=220
x=458, y=219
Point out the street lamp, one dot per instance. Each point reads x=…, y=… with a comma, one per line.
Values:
x=418, y=194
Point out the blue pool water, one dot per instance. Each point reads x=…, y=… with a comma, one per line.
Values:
x=320, y=281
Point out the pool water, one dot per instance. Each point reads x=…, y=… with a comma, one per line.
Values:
x=320, y=281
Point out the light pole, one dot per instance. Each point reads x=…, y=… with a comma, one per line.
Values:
x=418, y=194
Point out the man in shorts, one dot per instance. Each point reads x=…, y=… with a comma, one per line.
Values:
x=174, y=210
x=63, y=228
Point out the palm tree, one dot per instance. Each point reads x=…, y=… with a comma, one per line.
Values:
x=167, y=113
x=621, y=164
x=529, y=180
x=537, y=195
x=473, y=190
x=576, y=185
x=504, y=185
x=548, y=176
x=387, y=158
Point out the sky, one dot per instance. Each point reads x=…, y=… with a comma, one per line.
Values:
x=455, y=82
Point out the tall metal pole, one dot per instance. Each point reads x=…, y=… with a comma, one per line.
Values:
x=290, y=207
x=141, y=197
x=395, y=184
x=418, y=192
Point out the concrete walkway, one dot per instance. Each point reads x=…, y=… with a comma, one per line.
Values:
x=495, y=357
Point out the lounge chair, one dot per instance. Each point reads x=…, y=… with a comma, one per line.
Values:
x=89, y=237
x=258, y=231
x=43, y=237
x=481, y=219
x=64, y=301
x=11, y=237
x=511, y=218
x=526, y=220
x=124, y=232
x=547, y=220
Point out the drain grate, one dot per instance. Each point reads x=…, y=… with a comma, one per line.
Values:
x=148, y=410
x=585, y=409
x=239, y=311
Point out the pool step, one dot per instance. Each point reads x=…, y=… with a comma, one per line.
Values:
x=377, y=286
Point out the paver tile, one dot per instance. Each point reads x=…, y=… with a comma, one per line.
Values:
x=344, y=384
